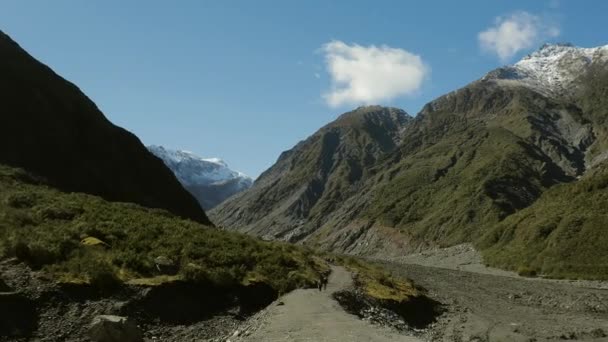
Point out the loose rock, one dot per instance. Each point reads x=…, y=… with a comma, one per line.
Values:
x=107, y=328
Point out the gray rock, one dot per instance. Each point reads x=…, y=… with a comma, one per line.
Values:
x=107, y=328
x=165, y=265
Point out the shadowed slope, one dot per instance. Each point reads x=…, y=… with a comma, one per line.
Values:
x=48, y=126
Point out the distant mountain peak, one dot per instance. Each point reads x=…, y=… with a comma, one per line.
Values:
x=551, y=69
x=210, y=180
x=215, y=161
x=360, y=114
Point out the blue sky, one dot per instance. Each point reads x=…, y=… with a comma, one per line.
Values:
x=245, y=80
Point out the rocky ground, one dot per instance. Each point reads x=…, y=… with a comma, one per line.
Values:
x=486, y=304
x=313, y=315
x=479, y=304
x=65, y=314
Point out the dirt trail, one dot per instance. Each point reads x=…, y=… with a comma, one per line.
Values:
x=310, y=315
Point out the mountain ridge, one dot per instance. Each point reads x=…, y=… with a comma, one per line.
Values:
x=209, y=180
x=51, y=128
x=466, y=162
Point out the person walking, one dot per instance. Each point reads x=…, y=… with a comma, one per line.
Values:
x=324, y=281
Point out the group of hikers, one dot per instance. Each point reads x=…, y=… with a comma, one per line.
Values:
x=322, y=283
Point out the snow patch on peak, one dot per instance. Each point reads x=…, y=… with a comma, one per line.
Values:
x=552, y=68
x=190, y=169
x=216, y=161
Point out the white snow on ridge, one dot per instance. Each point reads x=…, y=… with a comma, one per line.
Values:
x=191, y=169
x=552, y=68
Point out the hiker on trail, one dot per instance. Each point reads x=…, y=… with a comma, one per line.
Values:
x=323, y=283
x=320, y=284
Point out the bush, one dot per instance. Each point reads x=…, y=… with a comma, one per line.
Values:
x=103, y=277
x=53, y=212
x=195, y=273
x=526, y=271
x=35, y=255
x=22, y=200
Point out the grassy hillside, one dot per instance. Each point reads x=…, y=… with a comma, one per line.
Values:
x=467, y=161
x=83, y=238
x=563, y=234
x=48, y=126
x=79, y=238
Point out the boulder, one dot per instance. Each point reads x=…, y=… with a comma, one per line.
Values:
x=107, y=328
x=165, y=265
x=17, y=315
x=3, y=286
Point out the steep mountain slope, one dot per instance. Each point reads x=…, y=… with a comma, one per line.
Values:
x=467, y=161
x=477, y=155
x=564, y=233
x=295, y=196
x=48, y=126
x=211, y=181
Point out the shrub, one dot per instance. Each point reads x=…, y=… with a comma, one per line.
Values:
x=52, y=212
x=195, y=273
x=22, y=200
x=103, y=277
x=526, y=271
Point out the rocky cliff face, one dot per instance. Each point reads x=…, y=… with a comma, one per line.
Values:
x=48, y=126
x=467, y=161
x=308, y=183
x=211, y=181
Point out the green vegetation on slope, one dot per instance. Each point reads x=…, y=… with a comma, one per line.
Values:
x=563, y=234
x=83, y=238
x=470, y=160
x=79, y=238
x=377, y=283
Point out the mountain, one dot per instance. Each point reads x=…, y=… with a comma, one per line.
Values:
x=309, y=182
x=460, y=171
x=49, y=127
x=211, y=181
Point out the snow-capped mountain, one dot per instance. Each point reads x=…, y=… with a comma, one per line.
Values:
x=553, y=69
x=210, y=180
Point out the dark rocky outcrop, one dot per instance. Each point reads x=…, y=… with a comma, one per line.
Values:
x=186, y=302
x=108, y=328
x=18, y=316
x=418, y=312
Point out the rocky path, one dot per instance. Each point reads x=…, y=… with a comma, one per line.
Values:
x=310, y=315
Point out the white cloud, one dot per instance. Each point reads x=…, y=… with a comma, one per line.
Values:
x=369, y=74
x=515, y=33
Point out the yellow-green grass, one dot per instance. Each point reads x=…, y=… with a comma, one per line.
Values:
x=377, y=283
x=79, y=238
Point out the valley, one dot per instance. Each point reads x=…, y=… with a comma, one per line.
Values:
x=485, y=304
x=482, y=217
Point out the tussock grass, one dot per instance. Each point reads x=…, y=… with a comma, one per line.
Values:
x=81, y=238
x=562, y=235
x=377, y=283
